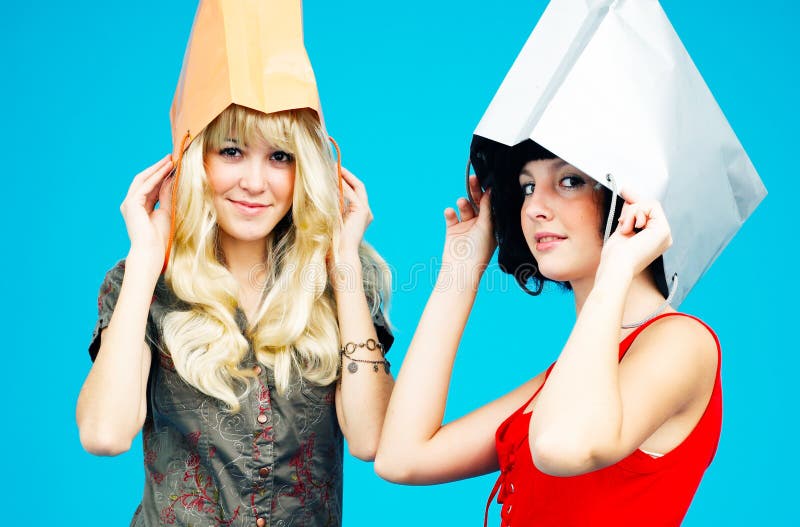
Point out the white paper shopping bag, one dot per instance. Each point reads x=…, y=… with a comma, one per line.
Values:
x=608, y=86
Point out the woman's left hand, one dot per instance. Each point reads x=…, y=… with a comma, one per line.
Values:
x=643, y=234
x=356, y=217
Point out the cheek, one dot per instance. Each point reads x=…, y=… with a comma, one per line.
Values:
x=590, y=232
x=590, y=219
x=282, y=185
x=221, y=177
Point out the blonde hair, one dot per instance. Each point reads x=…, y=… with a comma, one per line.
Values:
x=295, y=331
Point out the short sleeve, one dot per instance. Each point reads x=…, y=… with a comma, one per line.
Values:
x=383, y=330
x=106, y=301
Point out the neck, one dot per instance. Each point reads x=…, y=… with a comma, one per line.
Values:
x=642, y=300
x=244, y=259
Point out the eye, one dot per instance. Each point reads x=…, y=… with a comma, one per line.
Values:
x=572, y=181
x=527, y=188
x=230, y=151
x=281, y=157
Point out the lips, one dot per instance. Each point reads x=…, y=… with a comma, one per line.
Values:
x=545, y=239
x=548, y=237
x=548, y=240
x=248, y=207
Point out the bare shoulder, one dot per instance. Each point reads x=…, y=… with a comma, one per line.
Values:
x=682, y=330
x=682, y=345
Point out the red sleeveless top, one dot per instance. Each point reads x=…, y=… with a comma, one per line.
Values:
x=637, y=490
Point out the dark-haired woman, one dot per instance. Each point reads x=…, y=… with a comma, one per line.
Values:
x=620, y=429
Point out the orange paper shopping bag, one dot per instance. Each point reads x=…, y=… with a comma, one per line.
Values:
x=244, y=52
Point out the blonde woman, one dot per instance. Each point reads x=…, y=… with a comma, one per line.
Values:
x=230, y=359
x=262, y=346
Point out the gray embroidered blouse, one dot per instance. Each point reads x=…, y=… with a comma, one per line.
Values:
x=277, y=463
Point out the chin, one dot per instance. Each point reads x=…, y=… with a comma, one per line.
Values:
x=555, y=272
x=248, y=233
x=556, y=276
x=251, y=237
x=565, y=274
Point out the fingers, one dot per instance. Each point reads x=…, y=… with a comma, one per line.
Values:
x=151, y=198
x=465, y=209
x=165, y=194
x=640, y=219
x=354, y=183
x=645, y=217
x=156, y=193
x=151, y=171
x=450, y=217
x=635, y=216
x=351, y=199
x=626, y=221
x=349, y=192
x=148, y=182
x=354, y=193
x=475, y=189
x=484, y=214
x=629, y=196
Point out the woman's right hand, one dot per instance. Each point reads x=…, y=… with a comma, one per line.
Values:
x=471, y=239
x=148, y=227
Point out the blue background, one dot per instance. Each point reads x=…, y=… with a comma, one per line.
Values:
x=87, y=88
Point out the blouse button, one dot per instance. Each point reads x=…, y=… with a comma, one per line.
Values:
x=263, y=472
x=261, y=522
x=262, y=419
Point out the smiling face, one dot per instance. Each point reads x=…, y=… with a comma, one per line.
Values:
x=251, y=183
x=560, y=219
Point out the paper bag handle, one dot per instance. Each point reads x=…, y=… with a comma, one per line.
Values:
x=338, y=172
x=174, y=201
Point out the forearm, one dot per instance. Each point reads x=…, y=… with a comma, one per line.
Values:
x=364, y=393
x=111, y=405
x=418, y=403
x=579, y=410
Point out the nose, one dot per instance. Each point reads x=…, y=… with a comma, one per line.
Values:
x=254, y=178
x=537, y=205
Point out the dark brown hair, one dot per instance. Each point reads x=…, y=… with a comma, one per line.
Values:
x=498, y=166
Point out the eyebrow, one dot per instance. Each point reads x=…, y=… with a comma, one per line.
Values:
x=558, y=164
